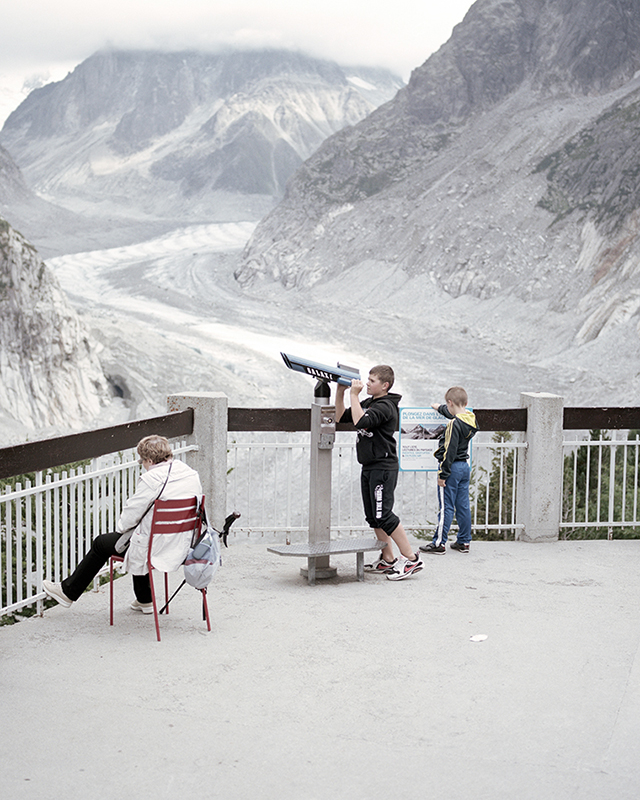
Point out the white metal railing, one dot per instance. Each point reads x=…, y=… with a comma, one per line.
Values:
x=268, y=483
x=601, y=483
x=47, y=525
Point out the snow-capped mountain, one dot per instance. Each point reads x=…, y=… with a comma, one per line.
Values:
x=187, y=136
x=117, y=155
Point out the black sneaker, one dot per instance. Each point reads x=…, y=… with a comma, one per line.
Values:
x=460, y=547
x=437, y=549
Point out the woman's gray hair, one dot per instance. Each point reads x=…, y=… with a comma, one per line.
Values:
x=155, y=449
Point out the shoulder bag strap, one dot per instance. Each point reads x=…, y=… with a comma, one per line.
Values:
x=123, y=541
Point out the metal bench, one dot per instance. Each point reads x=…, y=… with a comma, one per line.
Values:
x=332, y=547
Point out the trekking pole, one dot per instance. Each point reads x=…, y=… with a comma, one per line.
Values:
x=166, y=605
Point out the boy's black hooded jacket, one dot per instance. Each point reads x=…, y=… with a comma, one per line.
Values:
x=376, y=443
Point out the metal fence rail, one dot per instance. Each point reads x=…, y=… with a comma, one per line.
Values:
x=268, y=483
x=601, y=483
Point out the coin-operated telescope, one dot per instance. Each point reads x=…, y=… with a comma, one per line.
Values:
x=323, y=434
x=340, y=373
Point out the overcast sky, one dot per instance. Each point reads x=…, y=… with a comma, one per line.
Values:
x=44, y=39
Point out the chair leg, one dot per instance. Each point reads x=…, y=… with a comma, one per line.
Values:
x=155, y=605
x=205, y=608
x=166, y=591
x=205, y=605
x=111, y=590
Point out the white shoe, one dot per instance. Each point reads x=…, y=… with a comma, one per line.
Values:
x=146, y=608
x=54, y=590
x=405, y=568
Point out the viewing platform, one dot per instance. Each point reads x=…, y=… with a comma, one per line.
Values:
x=345, y=691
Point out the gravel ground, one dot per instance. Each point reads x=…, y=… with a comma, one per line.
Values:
x=300, y=692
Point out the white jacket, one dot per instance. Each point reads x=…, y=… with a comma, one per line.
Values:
x=170, y=550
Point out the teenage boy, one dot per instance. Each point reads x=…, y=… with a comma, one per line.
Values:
x=454, y=472
x=376, y=422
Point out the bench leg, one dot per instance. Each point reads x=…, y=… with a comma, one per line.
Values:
x=360, y=565
x=311, y=567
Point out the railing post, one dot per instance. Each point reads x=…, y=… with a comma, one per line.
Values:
x=210, y=435
x=539, y=497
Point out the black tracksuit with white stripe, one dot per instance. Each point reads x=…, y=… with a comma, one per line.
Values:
x=377, y=452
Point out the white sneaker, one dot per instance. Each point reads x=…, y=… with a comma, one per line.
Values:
x=54, y=590
x=405, y=568
x=146, y=608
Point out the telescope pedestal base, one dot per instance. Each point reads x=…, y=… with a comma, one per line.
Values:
x=321, y=573
x=318, y=555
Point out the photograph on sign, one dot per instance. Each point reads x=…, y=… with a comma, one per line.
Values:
x=420, y=431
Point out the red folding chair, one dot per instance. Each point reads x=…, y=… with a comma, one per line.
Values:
x=169, y=517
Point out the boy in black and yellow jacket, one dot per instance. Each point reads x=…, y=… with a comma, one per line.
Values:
x=454, y=472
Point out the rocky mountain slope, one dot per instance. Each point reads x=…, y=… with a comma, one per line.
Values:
x=184, y=135
x=13, y=188
x=506, y=168
x=51, y=376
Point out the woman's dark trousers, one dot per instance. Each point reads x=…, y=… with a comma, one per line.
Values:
x=102, y=548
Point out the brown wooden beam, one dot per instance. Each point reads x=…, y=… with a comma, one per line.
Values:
x=501, y=419
x=299, y=419
x=33, y=456
x=604, y=418
x=269, y=419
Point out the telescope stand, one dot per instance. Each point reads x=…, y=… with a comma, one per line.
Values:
x=323, y=434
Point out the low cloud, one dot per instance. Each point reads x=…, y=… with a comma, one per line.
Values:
x=398, y=35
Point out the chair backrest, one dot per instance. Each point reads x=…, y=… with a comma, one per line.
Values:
x=176, y=518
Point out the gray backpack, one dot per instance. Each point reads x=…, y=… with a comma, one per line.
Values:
x=203, y=560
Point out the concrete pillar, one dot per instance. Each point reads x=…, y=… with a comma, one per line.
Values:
x=539, y=495
x=210, y=436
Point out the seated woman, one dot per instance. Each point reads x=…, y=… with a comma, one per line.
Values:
x=163, y=477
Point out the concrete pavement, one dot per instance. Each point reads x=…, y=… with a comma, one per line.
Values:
x=343, y=690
